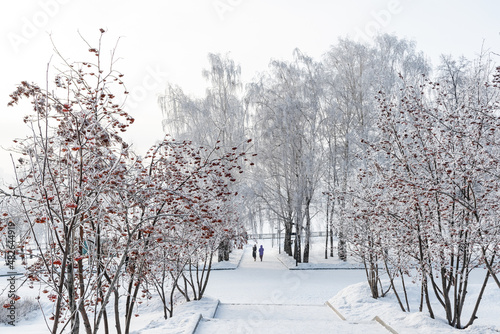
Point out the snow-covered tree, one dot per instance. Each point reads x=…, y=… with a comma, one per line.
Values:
x=217, y=121
x=67, y=182
x=105, y=223
x=355, y=73
x=437, y=163
x=288, y=104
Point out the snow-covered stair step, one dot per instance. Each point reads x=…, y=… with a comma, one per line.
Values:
x=277, y=319
x=257, y=312
x=280, y=326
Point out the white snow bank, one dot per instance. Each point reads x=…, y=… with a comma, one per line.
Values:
x=333, y=263
x=185, y=319
x=356, y=305
x=233, y=263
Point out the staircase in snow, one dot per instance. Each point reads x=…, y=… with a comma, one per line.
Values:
x=277, y=319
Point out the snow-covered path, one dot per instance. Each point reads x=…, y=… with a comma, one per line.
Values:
x=266, y=297
x=270, y=282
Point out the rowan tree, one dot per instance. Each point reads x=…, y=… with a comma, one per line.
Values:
x=107, y=224
x=67, y=179
x=437, y=163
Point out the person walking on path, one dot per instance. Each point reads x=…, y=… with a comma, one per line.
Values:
x=261, y=252
x=254, y=252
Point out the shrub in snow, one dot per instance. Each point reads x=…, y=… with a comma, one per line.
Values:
x=23, y=307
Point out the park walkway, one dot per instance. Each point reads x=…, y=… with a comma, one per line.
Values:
x=265, y=297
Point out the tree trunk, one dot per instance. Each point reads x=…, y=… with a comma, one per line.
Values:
x=297, y=246
x=326, y=241
x=296, y=250
x=331, y=239
x=224, y=250
x=342, y=246
x=488, y=266
x=287, y=246
x=81, y=307
x=261, y=221
x=128, y=316
x=70, y=285
x=203, y=286
x=308, y=231
x=427, y=300
x=473, y=316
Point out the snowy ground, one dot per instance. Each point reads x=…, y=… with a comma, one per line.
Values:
x=266, y=288
x=244, y=296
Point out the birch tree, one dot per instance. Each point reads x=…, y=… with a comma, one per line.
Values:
x=288, y=101
x=218, y=120
x=354, y=74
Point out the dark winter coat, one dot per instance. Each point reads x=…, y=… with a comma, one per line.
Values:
x=254, y=251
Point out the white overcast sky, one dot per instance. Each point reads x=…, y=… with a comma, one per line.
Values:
x=168, y=41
